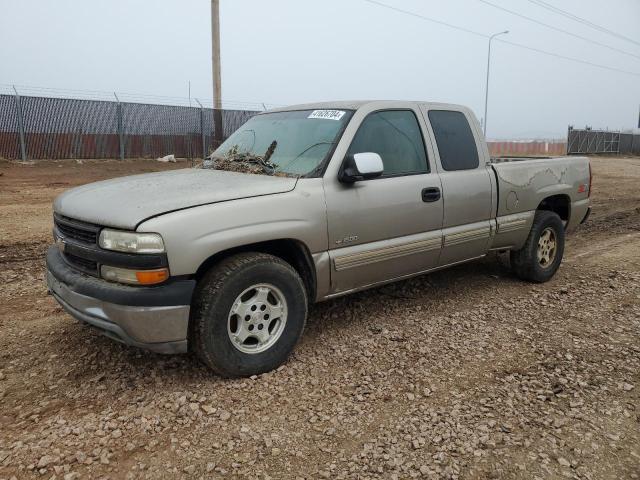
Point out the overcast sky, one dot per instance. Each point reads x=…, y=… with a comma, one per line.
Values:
x=293, y=51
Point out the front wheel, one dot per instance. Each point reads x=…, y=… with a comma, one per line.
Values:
x=540, y=257
x=248, y=313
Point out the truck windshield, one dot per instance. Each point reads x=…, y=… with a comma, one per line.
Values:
x=286, y=143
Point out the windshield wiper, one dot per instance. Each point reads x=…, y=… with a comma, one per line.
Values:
x=270, y=150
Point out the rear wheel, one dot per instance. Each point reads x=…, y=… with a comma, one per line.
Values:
x=249, y=312
x=540, y=257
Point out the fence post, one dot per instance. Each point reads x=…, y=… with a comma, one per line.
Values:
x=202, y=135
x=120, y=126
x=23, y=146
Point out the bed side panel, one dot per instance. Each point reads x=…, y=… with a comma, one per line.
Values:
x=523, y=185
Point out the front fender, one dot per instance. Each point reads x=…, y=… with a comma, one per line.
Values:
x=193, y=235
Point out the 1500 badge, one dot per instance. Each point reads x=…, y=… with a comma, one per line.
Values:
x=349, y=239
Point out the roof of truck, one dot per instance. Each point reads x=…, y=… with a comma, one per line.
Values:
x=356, y=104
x=341, y=104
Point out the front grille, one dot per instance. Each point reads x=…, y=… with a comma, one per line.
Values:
x=81, y=232
x=80, y=243
x=82, y=264
x=77, y=234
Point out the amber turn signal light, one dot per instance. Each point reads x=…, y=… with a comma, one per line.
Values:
x=151, y=277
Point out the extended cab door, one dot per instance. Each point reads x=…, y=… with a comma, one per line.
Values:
x=466, y=182
x=387, y=227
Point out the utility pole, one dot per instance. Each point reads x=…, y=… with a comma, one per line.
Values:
x=217, y=77
x=486, y=93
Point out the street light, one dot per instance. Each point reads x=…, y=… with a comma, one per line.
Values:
x=486, y=95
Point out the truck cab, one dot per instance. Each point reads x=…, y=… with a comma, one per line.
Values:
x=430, y=207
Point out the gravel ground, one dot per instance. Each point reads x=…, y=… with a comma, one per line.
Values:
x=465, y=373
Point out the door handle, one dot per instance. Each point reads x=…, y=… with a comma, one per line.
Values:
x=431, y=194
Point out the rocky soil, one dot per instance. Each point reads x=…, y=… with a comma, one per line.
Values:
x=466, y=373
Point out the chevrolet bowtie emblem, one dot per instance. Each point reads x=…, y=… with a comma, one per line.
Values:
x=60, y=244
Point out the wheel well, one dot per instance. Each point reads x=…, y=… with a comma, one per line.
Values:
x=560, y=204
x=294, y=252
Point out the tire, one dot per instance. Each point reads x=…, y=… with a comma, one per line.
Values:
x=241, y=282
x=526, y=263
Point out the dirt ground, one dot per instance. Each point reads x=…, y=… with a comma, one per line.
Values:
x=465, y=373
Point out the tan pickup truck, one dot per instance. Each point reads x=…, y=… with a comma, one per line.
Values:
x=343, y=196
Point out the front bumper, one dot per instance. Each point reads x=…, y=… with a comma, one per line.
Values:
x=154, y=318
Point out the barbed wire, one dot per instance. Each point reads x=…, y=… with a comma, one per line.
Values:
x=102, y=95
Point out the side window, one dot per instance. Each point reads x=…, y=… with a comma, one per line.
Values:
x=394, y=135
x=455, y=140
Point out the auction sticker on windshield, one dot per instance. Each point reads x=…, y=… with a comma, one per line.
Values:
x=327, y=114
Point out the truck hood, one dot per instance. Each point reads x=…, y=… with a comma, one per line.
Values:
x=127, y=201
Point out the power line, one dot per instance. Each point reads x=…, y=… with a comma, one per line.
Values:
x=557, y=29
x=428, y=19
x=518, y=45
x=581, y=20
x=571, y=59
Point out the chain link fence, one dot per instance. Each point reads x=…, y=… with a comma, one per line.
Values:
x=49, y=127
x=35, y=127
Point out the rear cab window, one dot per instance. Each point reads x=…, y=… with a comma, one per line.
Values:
x=455, y=140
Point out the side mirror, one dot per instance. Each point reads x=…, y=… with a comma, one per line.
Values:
x=361, y=166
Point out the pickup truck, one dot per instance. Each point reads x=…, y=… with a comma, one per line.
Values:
x=343, y=196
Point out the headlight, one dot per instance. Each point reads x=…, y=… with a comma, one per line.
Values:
x=131, y=242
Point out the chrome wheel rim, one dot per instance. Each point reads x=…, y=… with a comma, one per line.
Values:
x=547, y=247
x=257, y=318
